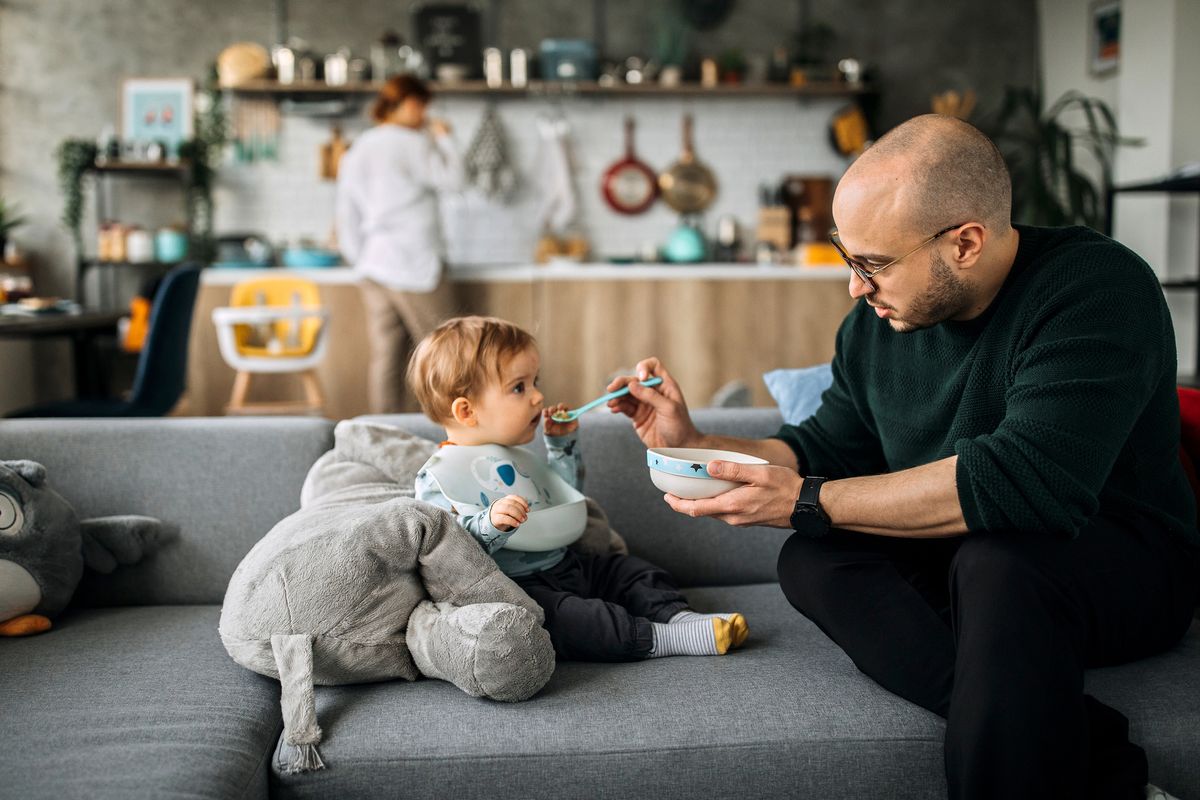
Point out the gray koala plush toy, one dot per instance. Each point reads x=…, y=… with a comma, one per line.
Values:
x=44, y=547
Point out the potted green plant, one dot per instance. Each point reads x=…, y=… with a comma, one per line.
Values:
x=1041, y=146
x=9, y=219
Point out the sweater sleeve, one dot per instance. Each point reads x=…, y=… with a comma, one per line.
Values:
x=840, y=439
x=1087, y=365
x=441, y=165
x=348, y=217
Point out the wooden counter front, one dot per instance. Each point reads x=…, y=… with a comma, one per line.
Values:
x=706, y=331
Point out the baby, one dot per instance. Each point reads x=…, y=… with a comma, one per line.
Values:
x=478, y=377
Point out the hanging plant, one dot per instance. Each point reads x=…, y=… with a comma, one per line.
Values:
x=204, y=153
x=75, y=158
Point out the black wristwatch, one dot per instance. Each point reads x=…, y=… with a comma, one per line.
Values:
x=808, y=518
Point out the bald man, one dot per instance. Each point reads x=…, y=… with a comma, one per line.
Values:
x=989, y=499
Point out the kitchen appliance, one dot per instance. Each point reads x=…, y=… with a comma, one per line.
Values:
x=243, y=251
x=567, y=60
x=686, y=243
x=306, y=255
x=629, y=186
x=688, y=186
x=729, y=239
x=450, y=35
x=385, y=60
x=809, y=199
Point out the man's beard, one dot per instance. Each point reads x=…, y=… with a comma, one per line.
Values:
x=946, y=297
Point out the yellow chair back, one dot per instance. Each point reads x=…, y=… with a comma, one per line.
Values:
x=290, y=338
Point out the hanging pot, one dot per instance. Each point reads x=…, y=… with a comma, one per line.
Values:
x=629, y=186
x=688, y=186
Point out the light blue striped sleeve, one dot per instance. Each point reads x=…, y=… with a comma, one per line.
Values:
x=563, y=456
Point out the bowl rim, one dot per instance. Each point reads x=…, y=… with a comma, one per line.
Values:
x=689, y=468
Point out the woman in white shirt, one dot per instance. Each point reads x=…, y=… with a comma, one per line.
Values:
x=388, y=227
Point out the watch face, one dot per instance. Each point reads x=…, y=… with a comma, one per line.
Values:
x=809, y=520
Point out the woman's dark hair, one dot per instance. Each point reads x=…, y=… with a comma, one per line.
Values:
x=398, y=89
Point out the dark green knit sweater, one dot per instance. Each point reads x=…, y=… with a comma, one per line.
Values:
x=1059, y=399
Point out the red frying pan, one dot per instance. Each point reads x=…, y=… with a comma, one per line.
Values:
x=629, y=186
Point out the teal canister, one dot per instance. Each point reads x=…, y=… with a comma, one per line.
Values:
x=170, y=245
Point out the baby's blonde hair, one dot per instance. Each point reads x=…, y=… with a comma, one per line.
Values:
x=460, y=358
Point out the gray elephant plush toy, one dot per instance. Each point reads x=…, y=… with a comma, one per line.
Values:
x=44, y=547
x=364, y=583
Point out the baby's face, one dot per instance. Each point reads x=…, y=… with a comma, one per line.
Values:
x=510, y=411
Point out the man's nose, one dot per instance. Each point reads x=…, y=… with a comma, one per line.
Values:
x=858, y=287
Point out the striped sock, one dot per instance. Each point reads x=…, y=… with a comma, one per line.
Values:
x=741, y=630
x=702, y=637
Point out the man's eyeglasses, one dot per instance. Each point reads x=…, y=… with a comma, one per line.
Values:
x=865, y=272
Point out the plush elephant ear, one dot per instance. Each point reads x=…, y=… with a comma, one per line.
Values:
x=112, y=541
x=31, y=471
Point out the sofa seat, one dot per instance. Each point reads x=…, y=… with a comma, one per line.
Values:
x=786, y=716
x=135, y=702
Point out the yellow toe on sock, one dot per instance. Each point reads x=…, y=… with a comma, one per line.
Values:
x=741, y=630
x=723, y=633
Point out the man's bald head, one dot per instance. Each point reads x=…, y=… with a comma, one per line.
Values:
x=941, y=171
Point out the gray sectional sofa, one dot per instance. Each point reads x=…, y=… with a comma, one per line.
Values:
x=132, y=695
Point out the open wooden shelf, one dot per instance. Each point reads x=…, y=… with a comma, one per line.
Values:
x=165, y=168
x=564, y=88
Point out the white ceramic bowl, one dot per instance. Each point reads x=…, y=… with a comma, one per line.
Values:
x=683, y=471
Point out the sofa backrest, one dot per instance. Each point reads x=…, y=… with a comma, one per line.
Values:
x=219, y=485
x=698, y=552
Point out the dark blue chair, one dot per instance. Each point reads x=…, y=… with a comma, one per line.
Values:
x=162, y=368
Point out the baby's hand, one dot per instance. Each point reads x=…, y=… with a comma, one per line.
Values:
x=554, y=427
x=509, y=512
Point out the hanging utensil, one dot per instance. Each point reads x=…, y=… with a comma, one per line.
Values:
x=629, y=186
x=688, y=186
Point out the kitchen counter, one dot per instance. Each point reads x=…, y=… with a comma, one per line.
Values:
x=709, y=323
x=526, y=273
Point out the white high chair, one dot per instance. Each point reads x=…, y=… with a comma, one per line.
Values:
x=274, y=325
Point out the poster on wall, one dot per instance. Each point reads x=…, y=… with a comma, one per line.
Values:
x=1104, y=38
x=157, y=110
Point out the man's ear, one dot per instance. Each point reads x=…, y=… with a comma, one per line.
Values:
x=463, y=412
x=968, y=244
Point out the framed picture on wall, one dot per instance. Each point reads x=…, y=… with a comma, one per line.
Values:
x=157, y=110
x=1104, y=36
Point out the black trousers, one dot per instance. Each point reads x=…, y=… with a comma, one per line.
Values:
x=993, y=631
x=599, y=608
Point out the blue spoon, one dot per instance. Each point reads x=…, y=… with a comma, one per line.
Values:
x=575, y=413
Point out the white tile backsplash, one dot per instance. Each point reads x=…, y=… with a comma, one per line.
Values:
x=745, y=141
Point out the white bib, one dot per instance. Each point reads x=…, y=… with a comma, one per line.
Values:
x=474, y=477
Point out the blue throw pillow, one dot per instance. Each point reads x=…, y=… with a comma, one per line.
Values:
x=798, y=391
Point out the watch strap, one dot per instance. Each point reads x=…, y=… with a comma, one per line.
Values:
x=810, y=491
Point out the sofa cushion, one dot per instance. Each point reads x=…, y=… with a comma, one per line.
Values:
x=133, y=702
x=798, y=392
x=787, y=716
x=698, y=552
x=219, y=484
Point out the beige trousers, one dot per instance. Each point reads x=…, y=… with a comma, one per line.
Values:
x=396, y=322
